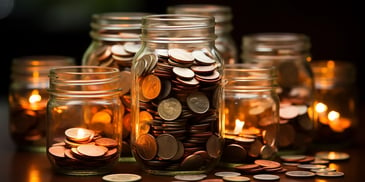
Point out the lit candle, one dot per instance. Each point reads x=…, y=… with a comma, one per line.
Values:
x=321, y=109
x=79, y=134
x=238, y=126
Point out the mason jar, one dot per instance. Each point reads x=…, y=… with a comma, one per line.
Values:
x=250, y=113
x=115, y=41
x=28, y=99
x=289, y=53
x=176, y=88
x=223, y=27
x=336, y=103
x=84, y=119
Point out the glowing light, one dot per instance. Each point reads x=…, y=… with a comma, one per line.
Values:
x=320, y=107
x=35, y=97
x=238, y=127
x=333, y=116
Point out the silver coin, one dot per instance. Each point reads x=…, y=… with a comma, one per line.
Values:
x=267, y=177
x=236, y=178
x=167, y=146
x=300, y=174
x=190, y=177
x=122, y=177
x=198, y=102
x=311, y=166
x=169, y=109
x=201, y=57
x=226, y=173
x=330, y=174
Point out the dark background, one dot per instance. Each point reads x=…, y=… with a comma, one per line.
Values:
x=40, y=27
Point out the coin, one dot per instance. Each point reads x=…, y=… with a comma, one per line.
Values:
x=234, y=153
x=125, y=84
x=202, y=58
x=57, y=151
x=106, y=142
x=146, y=146
x=330, y=174
x=167, y=146
x=145, y=118
x=190, y=177
x=333, y=156
x=267, y=163
x=119, y=50
x=151, y=86
x=226, y=173
x=181, y=55
x=236, y=179
x=198, y=102
x=300, y=174
x=102, y=116
x=132, y=47
x=169, y=109
x=185, y=73
x=311, y=166
x=92, y=150
x=290, y=158
x=269, y=177
x=288, y=112
x=122, y=177
x=79, y=134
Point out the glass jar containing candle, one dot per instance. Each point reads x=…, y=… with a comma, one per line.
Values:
x=115, y=40
x=250, y=113
x=84, y=119
x=223, y=27
x=335, y=103
x=176, y=87
x=28, y=98
x=289, y=53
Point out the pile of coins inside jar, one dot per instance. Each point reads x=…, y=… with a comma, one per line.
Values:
x=84, y=149
x=178, y=126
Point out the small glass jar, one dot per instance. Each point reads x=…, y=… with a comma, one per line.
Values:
x=176, y=87
x=28, y=98
x=335, y=106
x=289, y=53
x=115, y=40
x=250, y=114
x=223, y=27
x=84, y=119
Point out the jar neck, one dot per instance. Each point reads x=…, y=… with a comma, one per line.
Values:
x=116, y=26
x=174, y=28
x=84, y=81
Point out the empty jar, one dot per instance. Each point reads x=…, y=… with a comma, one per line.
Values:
x=289, y=53
x=28, y=99
x=84, y=120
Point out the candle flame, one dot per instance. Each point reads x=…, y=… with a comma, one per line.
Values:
x=238, y=127
x=320, y=107
x=35, y=97
x=333, y=115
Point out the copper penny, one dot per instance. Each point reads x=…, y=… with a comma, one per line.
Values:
x=151, y=86
x=181, y=55
x=57, y=151
x=146, y=146
x=92, y=150
x=106, y=142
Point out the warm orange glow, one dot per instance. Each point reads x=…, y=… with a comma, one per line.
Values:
x=80, y=133
x=35, y=97
x=333, y=116
x=320, y=107
x=330, y=64
x=34, y=174
x=251, y=131
x=238, y=127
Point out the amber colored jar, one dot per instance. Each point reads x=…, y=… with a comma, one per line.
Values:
x=289, y=53
x=176, y=87
x=84, y=119
x=28, y=99
x=250, y=113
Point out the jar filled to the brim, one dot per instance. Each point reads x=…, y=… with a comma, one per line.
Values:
x=176, y=87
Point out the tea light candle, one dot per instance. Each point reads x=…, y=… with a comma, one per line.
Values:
x=79, y=134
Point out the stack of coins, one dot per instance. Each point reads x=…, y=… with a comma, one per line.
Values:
x=84, y=149
x=178, y=119
x=261, y=166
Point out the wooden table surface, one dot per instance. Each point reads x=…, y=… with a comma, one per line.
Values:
x=20, y=166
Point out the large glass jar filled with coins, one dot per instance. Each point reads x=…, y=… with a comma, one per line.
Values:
x=250, y=113
x=84, y=120
x=115, y=40
x=223, y=27
x=176, y=87
x=290, y=54
x=28, y=99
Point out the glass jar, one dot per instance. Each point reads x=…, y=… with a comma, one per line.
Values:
x=28, y=98
x=335, y=106
x=289, y=53
x=175, y=96
x=115, y=40
x=223, y=27
x=84, y=119
x=250, y=114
